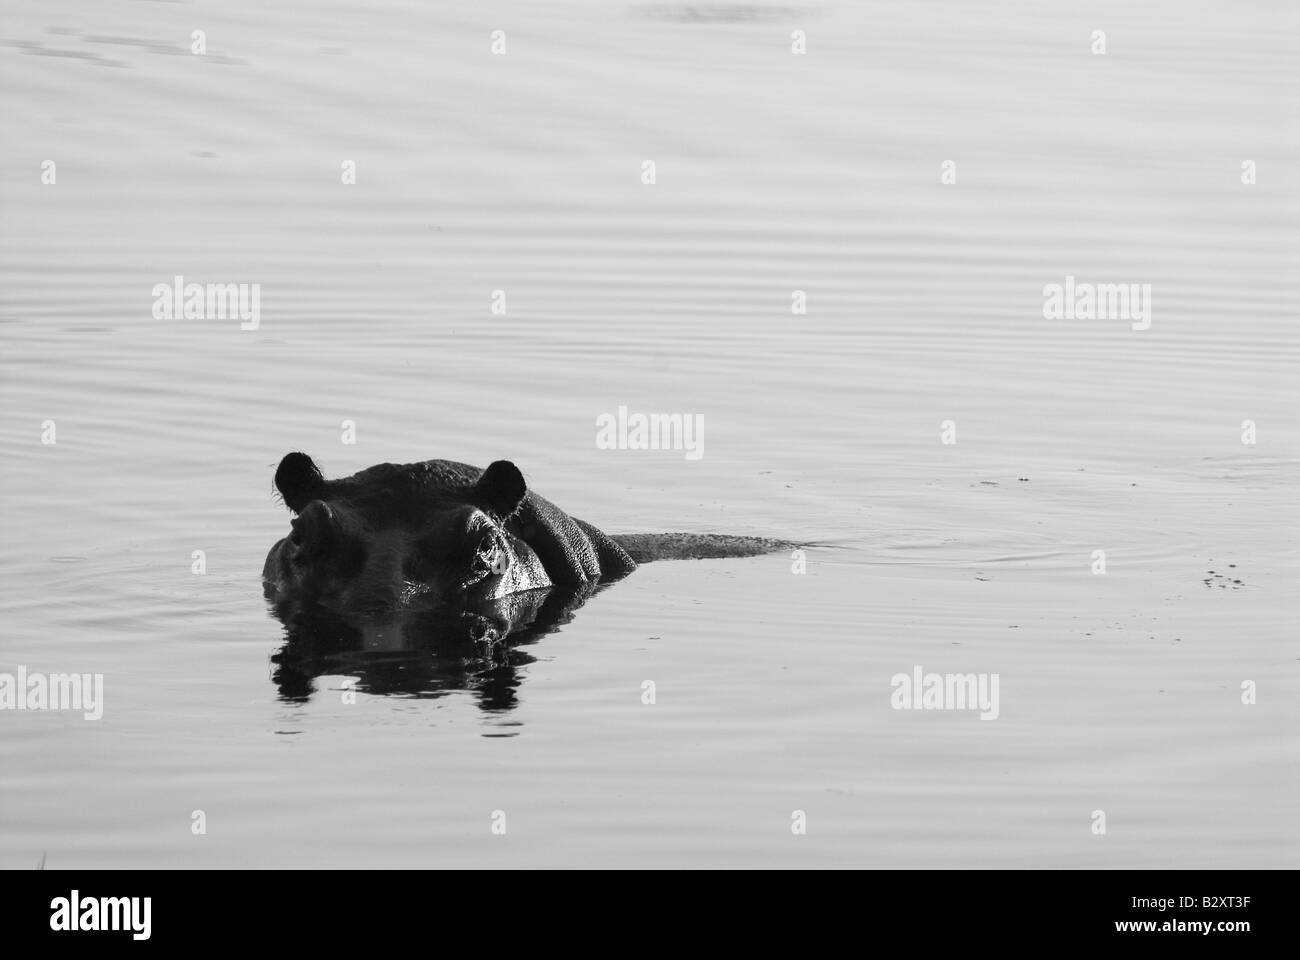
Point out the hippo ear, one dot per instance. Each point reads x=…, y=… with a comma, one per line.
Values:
x=501, y=489
x=299, y=481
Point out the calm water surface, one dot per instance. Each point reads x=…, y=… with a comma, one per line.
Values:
x=774, y=173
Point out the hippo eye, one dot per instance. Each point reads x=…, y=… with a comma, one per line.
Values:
x=489, y=558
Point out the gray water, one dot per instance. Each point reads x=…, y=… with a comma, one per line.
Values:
x=1120, y=692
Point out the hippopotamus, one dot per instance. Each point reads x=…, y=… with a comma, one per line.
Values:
x=440, y=532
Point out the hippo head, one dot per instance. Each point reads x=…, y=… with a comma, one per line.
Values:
x=395, y=535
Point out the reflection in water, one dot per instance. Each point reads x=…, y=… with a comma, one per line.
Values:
x=422, y=652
